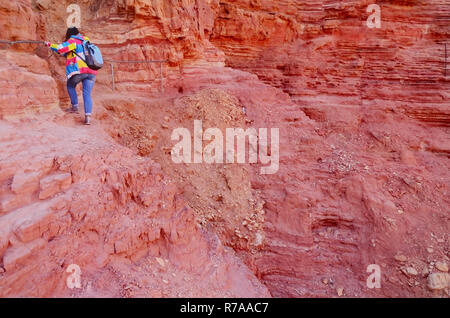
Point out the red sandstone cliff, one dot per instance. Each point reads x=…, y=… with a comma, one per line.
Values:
x=364, y=151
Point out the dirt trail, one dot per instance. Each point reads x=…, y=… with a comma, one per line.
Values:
x=69, y=194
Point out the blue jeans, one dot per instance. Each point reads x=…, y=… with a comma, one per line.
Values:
x=88, y=84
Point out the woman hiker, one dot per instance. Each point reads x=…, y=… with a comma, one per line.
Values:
x=77, y=71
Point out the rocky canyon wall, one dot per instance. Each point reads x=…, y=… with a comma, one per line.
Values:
x=322, y=53
x=364, y=179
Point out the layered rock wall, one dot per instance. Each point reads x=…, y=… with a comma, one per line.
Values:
x=363, y=117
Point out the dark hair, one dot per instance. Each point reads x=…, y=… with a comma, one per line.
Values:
x=70, y=32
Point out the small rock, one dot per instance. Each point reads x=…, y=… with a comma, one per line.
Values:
x=2, y=270
x=442, y=266
x=393, y=280
x=430, y=250
x=438, y=281
x=400, y=258
x=43, y=4
x=340, y=291
x=410, y=271
x=325, y=281
x=160, y=261
x=165, y=281
x=425, y=272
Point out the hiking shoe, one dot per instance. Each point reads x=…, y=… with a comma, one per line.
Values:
x=72, y=110
x=87, y=120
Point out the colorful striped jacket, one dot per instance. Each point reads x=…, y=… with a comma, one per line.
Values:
x=75, y=65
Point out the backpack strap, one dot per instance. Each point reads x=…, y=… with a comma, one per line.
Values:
x=80, y=57
x=83, y=44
